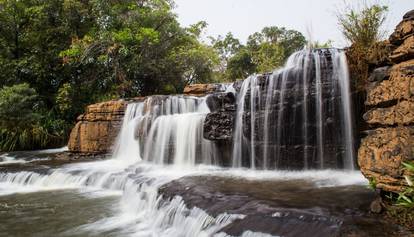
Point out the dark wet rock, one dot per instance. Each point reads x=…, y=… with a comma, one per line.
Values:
x=284, y=208
x=221, y=102
x=219, y=126
x=237, y=85
x=380, y=74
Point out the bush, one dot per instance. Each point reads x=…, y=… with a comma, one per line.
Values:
x=363, y=26
x=21, y=125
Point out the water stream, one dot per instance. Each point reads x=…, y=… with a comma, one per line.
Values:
x=164, y=180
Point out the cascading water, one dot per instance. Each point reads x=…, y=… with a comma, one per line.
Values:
x=298, y=117
x=165, y=130
x=294, y=107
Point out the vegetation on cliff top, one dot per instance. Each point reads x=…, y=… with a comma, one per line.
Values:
x=362, y=28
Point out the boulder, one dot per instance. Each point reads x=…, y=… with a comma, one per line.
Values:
x=381, y=155
x=391, y=114
x=403, y=30
x=399, y=86
x=400, y=114
x=378, y=54
x=221, y=102
x=404, y=52
x=380, y=74
x=201, y=89
x=409, y=15
x=97, y=129
x=218, y=126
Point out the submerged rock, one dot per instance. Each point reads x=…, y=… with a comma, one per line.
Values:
x=290, y=208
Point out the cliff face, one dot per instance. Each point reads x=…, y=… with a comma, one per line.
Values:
x=390, y=100
x=97, y=129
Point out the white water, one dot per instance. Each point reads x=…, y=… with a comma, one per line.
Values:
x=161, y=140
x=27, y=157
x=306, y=74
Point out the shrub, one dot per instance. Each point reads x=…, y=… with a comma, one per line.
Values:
x=21, y=125
x=363, y=26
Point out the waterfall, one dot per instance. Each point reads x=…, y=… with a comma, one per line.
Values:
x=298, y=117
x=165, y=130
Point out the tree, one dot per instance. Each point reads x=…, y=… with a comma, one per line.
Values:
x=264, y=51
x=18, y=104
x=139, y=48
x=19, y=119
x=363, y=26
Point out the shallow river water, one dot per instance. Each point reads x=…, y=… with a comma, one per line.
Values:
x=111, y=198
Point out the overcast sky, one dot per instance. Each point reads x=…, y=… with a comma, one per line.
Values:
x=244, y=17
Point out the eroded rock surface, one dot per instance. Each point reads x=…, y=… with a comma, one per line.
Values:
x=97, y=129
x=202, y=89
x=390, y=142
x=381, y=155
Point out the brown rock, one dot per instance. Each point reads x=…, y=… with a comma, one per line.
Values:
x=378, y=53
x=381, y=154
x=376, y=206
x=404, y=52
x=97, y=129
x=399, y=86
x=399, y=114
x=200, y=89
x=403, y=31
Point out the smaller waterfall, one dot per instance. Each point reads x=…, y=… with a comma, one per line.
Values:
x=165, y=130
x=298, y=117
x=126, y=147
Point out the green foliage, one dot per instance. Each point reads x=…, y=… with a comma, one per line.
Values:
x=363, y=26
x=264, y=51
x=21, y=125
x=17, y=106
x=78, y=52
x=321, y=45
x=372, y=184
x=406, y=198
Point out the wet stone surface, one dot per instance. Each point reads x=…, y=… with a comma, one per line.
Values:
x=284, y=208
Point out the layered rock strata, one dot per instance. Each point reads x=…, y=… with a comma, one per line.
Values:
x=390, y=100
x=97, y=129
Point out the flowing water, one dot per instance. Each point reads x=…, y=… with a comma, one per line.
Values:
x=297, y=117
x=163, y=178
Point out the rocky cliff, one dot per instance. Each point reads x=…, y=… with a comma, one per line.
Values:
x=390, y=115
x=97, y=129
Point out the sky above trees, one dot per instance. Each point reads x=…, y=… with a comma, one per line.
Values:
x=243, y=17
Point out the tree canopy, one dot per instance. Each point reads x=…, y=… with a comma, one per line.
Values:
x=70, y=53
